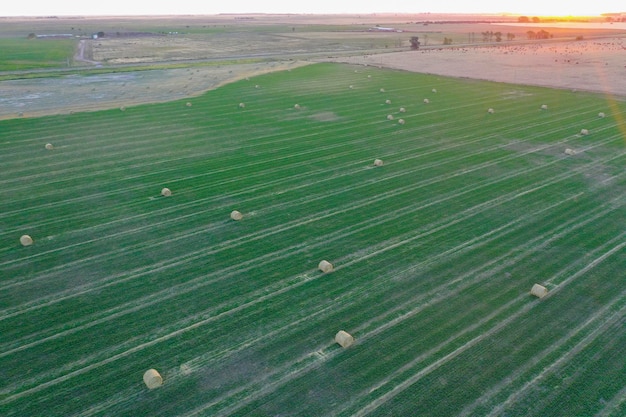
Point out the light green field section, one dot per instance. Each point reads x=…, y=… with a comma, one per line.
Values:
x=22, y=54
x=435, y=252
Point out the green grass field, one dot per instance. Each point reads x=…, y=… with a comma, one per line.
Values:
x=435, y=252
x=23, y=54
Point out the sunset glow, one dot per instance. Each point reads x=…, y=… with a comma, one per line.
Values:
x=123, y=7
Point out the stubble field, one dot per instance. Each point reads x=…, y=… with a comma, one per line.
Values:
x=435, y=252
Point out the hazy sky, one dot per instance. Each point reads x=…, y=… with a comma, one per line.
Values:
x=134, y=7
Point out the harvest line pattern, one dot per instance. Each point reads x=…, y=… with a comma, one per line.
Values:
x=434, y=252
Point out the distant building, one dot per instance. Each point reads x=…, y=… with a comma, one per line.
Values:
x=56, y=35
x=384, y=29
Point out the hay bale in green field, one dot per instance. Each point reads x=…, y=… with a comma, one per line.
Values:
x=344, y=339
x=26, y=240
x=166, y=192
x=236, y=215
x=152, y=379
x=49, y=146
x=539, y=291
x=325, y=267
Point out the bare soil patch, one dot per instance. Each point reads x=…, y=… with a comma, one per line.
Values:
x=594, y=65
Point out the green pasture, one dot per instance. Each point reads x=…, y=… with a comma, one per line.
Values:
x=435, y=252
x=23, y=53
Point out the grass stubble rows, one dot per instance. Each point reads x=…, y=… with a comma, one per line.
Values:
x=434, y=253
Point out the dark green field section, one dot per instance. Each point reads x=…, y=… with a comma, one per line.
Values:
x=435, y=252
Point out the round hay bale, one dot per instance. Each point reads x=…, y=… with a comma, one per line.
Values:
x=569, y=151
x=49, y=146
x=491, y=111
x=344, y=339
x=188, y=104
x=426, y=101
x=584, y=132
x=26, y=240
x=390, y=117
x=351, y=87
x=387, y=101
x=242, y=105
x=544, y=107
x=434, y=90
x=257, y=86
x=122, y=108
x=378, y=162
x=402, y=110
x=166, y=192
x=235, y=215
x=382, y=90
x=400, y=121
x=601, y=115
x=296, y=106
x=152, y=379
x=369, y=76
x=539, y=291
x=325, y=267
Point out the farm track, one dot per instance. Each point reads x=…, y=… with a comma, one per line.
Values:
x=453, y=217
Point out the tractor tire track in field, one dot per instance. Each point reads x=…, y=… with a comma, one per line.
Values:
x=607, y=316
x=258, y=298
x=246, y=395
x=174, y=262
x=594, y=326
x=337, y=192
x=503, y=209
x=439, y=294
x=405, y=383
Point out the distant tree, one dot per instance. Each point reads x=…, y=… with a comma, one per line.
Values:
x=523, y=19
x=101, y=34
x=447, y=41
x=510, y=36
x=31, y=36
x=415, y=42
x=542, y=34
x=498, y=36
x=531, y=34
x=488, y=36
x=536, y=19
